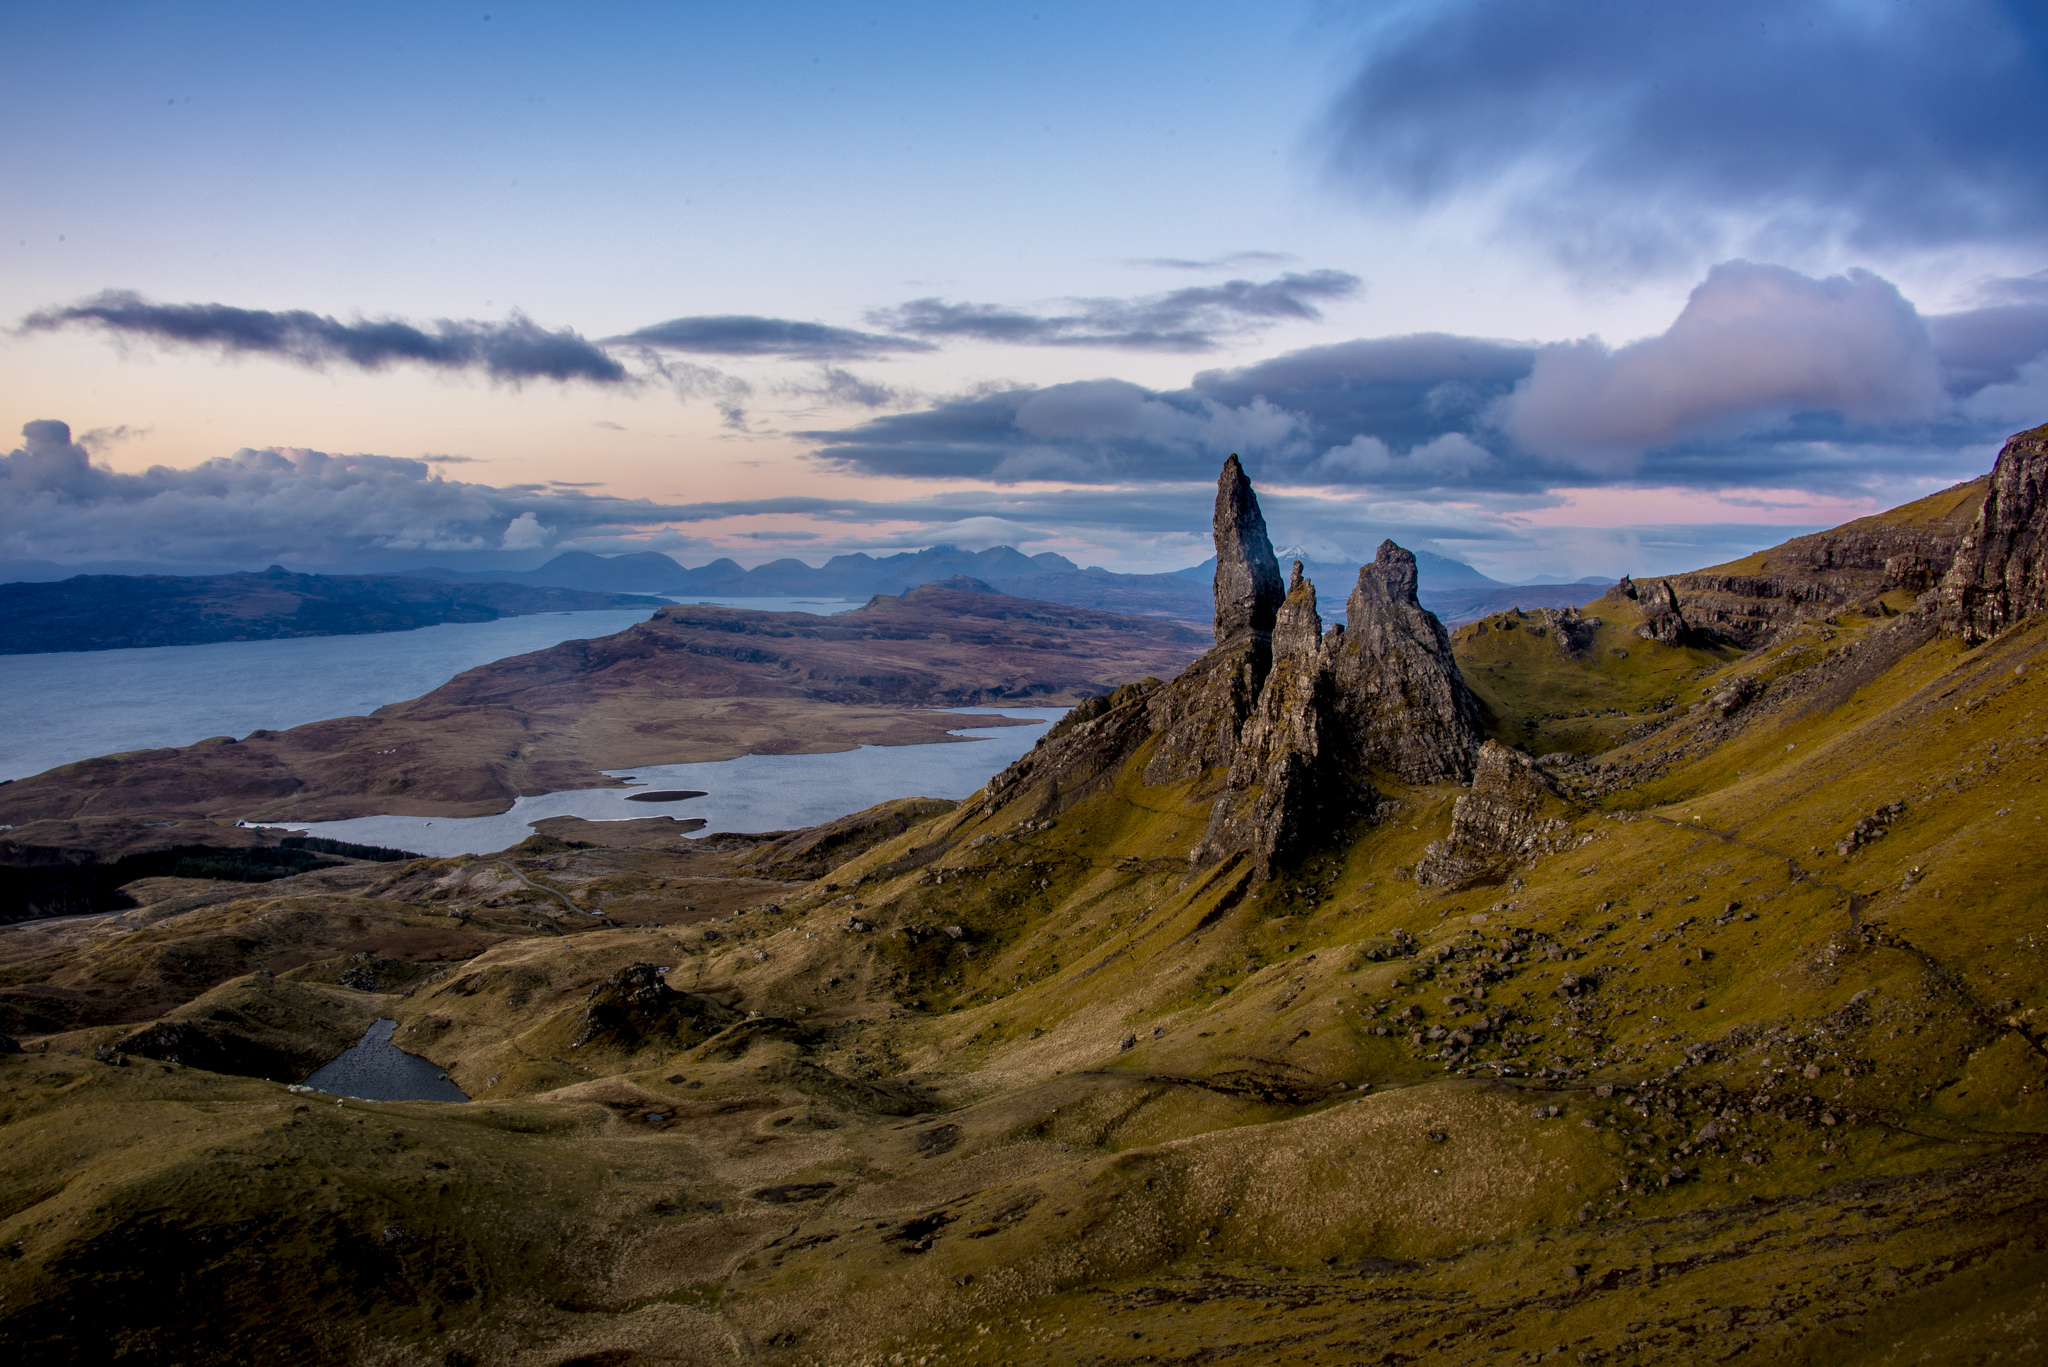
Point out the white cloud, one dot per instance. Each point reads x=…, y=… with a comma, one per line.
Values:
x=1753, y=345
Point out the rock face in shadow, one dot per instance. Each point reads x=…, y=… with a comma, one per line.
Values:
x=2000, y=573
x=1248, y=590
x=1497, y=824
x=1401, y=705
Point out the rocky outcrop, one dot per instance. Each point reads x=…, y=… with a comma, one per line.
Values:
x=636, y=1007
x=1400, y=704
x=1663, y=620
x=1498, y=824
x=1248, y=590
x=2000, y=572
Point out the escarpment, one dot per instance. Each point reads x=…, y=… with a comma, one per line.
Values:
x=1903, y=552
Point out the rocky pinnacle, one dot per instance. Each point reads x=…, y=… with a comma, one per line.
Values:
x=1248, y=585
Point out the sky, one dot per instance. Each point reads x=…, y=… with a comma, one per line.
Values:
x=1557, y=287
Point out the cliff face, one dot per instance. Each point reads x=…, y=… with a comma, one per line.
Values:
x=2000, y=571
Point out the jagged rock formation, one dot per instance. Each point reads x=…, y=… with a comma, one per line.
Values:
x=1248, y=590
x=2000, y=571
x=1498, y=823
x=1400, y=704
x=1289, y=724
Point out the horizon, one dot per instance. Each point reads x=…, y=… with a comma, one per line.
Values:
x=1555, y=295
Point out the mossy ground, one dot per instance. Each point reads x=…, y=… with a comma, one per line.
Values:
x=1706, y=1084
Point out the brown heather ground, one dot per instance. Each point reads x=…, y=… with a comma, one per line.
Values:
x=1738, y=1096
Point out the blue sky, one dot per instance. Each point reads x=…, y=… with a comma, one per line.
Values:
x=1561, y=287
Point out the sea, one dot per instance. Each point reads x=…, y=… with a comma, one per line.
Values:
x=75, y=705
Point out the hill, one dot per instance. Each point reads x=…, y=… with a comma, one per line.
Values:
x=114, y=612
x=689, y=684
x=1587, y=986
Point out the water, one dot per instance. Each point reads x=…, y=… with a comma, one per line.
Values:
x=375, y=1069
x=75, y=705
x=751, y=793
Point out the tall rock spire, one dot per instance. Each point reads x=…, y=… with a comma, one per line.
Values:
x=1248, y=585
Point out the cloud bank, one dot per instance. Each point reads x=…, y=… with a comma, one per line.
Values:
x=514, y=350
x=1767, y=378
x=1628, y=138
x=258, y=506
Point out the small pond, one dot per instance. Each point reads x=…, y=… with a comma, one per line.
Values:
x=375, y=1069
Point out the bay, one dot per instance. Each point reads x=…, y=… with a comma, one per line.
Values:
x=750, y=793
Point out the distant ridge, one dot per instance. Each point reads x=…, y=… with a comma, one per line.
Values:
x=1452, y=589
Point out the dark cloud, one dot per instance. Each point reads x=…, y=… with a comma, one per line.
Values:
x=1191, y=319
x=741, y=334
x=1629, y=137
x=1767, y=377
x=517, y=349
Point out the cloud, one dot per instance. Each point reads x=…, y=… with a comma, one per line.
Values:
x=1753, y=346
x=740, y=334
x=1093, y=431
x=1989, y=345
x=1190, y=319
x=1213, y=263
x=838, y=386
x=514, y=350
x=1767, y=377
x=525, y=533
x=1627, y=138
x=257, y=506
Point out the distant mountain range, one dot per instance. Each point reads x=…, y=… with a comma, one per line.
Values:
x=111, y=612
x=1452, y=589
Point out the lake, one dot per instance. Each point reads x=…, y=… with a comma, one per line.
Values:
x=77, y=704
x=751, y=793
